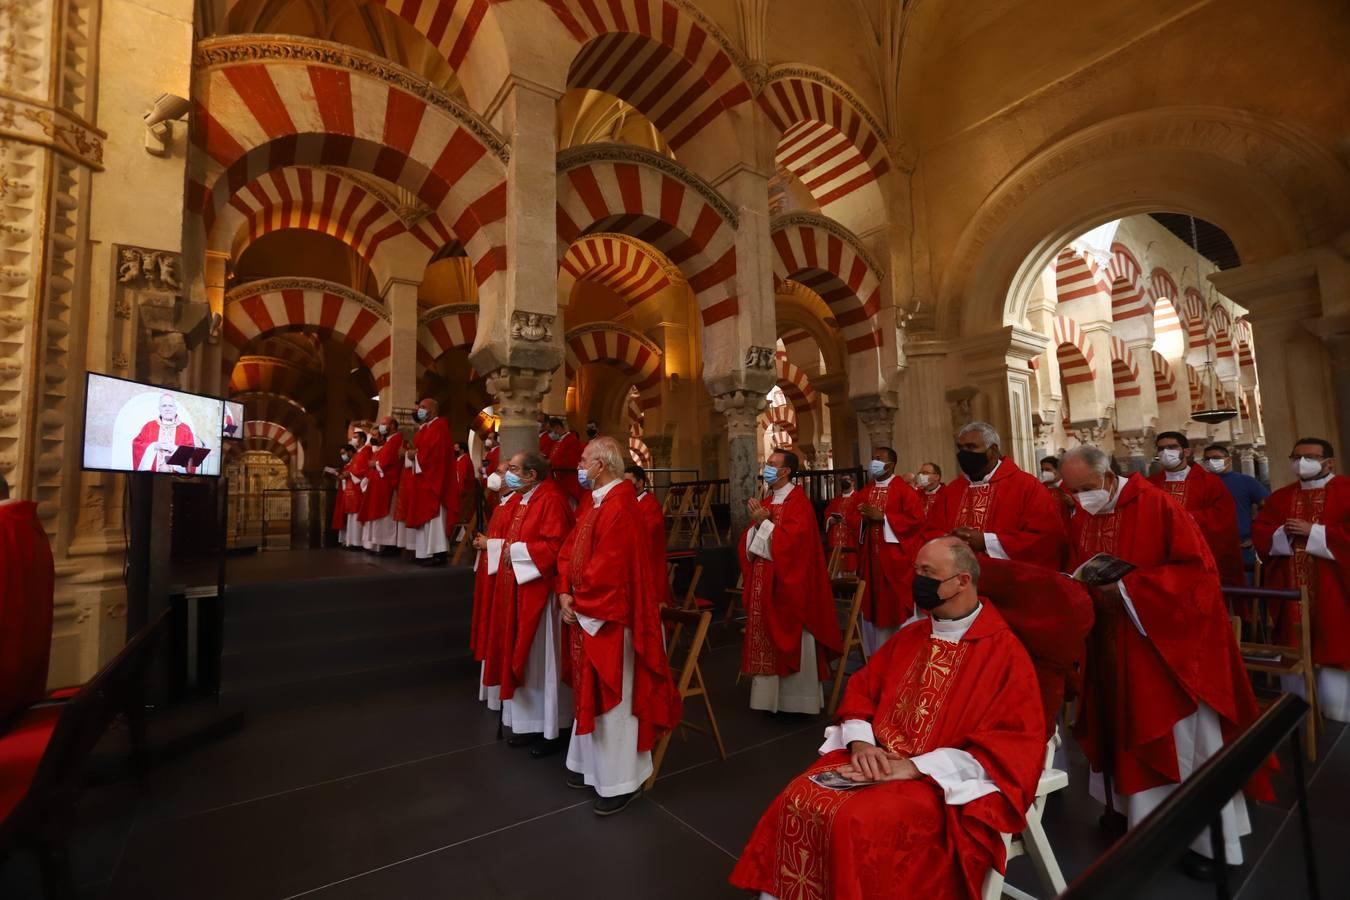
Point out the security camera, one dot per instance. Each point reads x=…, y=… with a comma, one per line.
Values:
x=166, y=108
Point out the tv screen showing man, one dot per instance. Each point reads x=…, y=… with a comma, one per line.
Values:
x=134, y=427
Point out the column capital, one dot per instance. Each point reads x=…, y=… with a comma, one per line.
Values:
x=741, y=409
x=516, y=392
x=1090, y=431
x=877, y=416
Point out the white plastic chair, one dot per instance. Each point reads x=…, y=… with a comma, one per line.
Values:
x=1032, y=842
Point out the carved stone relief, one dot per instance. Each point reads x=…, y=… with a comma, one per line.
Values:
x=531, y=327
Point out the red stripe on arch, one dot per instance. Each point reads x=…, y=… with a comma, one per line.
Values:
x=254, y=85
x=333, y=96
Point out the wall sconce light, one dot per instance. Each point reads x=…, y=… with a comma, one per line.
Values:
x=674, y=381
x=159, y=122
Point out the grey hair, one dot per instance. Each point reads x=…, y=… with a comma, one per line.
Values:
x=965, y=559
x=1096, y=459
x=986, y=431
x=608, y=451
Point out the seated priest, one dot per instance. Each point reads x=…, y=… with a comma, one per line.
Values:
x=486, y=565
x=617, y=667
x=1204, y=495
x=27, y=580
x=1165, y=688
x=653, y=522
x=943, y=728
x=789, y=608
x=995, y=507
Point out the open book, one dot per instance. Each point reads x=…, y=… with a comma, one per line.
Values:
x=1102, y=569
x=832, y=780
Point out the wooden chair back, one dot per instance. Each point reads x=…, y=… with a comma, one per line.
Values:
x=688, y=680
x=852, y=638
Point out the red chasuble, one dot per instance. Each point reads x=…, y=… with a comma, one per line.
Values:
x=565, y=454
x=1205, y=496
x=901, y=838
x=1327, y=581
x=887, y=568
x=839, y=533
x=27, y=579
x=340, y=501
x=654, y=527
x=468, y=488
x=541, y=525
x=1137, y=688
x=435, y=487
x=604, y=568
x=1013, y=505
x=484, y=585
x=359, y=469
x=929, y=499
x=788, y=595
x=403, y=496
x=149, y=434
x=380, y=493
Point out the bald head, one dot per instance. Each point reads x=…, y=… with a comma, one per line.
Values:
x=953, y=565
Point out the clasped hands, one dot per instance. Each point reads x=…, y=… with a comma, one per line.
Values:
x=872, y=763
x=569, y=615
x=480, y=541
x=1298, y=527
x=758, y=511
x=871, y=512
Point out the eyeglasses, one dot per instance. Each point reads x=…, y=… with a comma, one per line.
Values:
x=1295, y=457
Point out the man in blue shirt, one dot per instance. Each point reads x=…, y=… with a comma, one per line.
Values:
x=1248, y=495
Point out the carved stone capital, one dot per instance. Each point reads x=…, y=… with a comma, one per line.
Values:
x=1090, y=431
x=759, y=357
x=517, y=393
x=961, y=401
x=741, y=410
x=878, y=420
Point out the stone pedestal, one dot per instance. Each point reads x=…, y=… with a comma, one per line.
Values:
x=741, y=409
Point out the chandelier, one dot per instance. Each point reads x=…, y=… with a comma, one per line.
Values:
x=1214, y=412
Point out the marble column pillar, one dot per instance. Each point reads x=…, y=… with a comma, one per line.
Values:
x=400, y=296
x=1335, y=334
x=924, y=431
x=741, y=409
x=516, y=397
x=1262, y=466
x=997, y=365
x=214, y=380
x=1245, y=459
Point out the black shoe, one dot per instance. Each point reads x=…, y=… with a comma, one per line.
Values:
x=523, y=740
x=544, y=748
x=608, y=806
x=1199, y=868
x=576, y=780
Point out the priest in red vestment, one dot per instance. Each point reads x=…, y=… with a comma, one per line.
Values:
x=465, y=507
x=790, y=625
x=564, y=456
x=943, y=727
x=435, y=487
x=620, y=676
x=403, y=497
x=1303, y=536
x=1165, y=688
x=1204, y=495
x=928, y=482
x=526, y=629
x=358, y=482
x=386, y=468
x=339, y=520
x=27, y=581
x=839, y=537
x=492, y=460
x=996, y=508
x=160, y=438
x=887, y=516
x=486, y=565
x=654, y=527
x=1050, y=478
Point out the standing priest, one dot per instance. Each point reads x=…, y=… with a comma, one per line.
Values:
x=526, y=632
x=996, y=508
x=788, y=604
x=486, y=565
x=435, y=489
x=1165, y=687
x=944, y=729
x=887, y=516
x=1206, y=498
x=620, y=677
x=377, y=512
x=654, y=529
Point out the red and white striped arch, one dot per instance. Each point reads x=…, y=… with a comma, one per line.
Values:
x=1128, y=296
x=317, y=200
x=269, y=375
x=1164, y=382
x=450, y=25
x=621, y=348
x=297, y=101
x=608, y=188
x=276, y=439
x=1073, y=351
x=796, y=386
x=785, y=417
x=1124, y=370
x=626, y=266
x=825, y=257
x=1246, y=356
x=285, y=411
x=443, y=329
x=1194, y=317
x=657, y=56
x=834, y=146
x=1077, y=275
x=309, y=304
x=1222, y=324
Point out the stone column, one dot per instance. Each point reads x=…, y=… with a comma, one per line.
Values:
x=516, y=395
x=1138, y=447
x=998, y=366
x=877, y=418
x=1246, y=459
x=1335, y=334
x=924, y=433
x=400, y=297
x=1142, y=352
x=1262, y=466
x=741, y=410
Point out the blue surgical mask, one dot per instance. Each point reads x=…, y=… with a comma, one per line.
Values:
x=770, y=474
x=876, y=467
x=584, y=478
x=513, y=481
x=421, y=414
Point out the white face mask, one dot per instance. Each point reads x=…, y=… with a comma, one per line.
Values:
x=1215, y=465
x=384, y=429
x=1093, y=502
x=494, y=482
x=1048, y=477
x=923, y=479
x=1307, y=469
x=1169, y=457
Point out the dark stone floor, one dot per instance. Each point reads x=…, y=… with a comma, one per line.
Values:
x=384, y=779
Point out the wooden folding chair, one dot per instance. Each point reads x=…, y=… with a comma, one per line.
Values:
x=689, y=682
x=735, y=599
x=683, y=517
x=1279, y=659
x=465, y=542
x=690, y=601
x=852, y=639
x=706, y=522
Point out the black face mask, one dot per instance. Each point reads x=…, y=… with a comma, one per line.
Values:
x=925, y=591
x=591, y=432
x=972, y=462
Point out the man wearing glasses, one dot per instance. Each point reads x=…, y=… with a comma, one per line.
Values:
x=1303, y=537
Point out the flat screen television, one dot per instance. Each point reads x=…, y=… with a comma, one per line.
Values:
x=135, y=427
x=233, y=430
